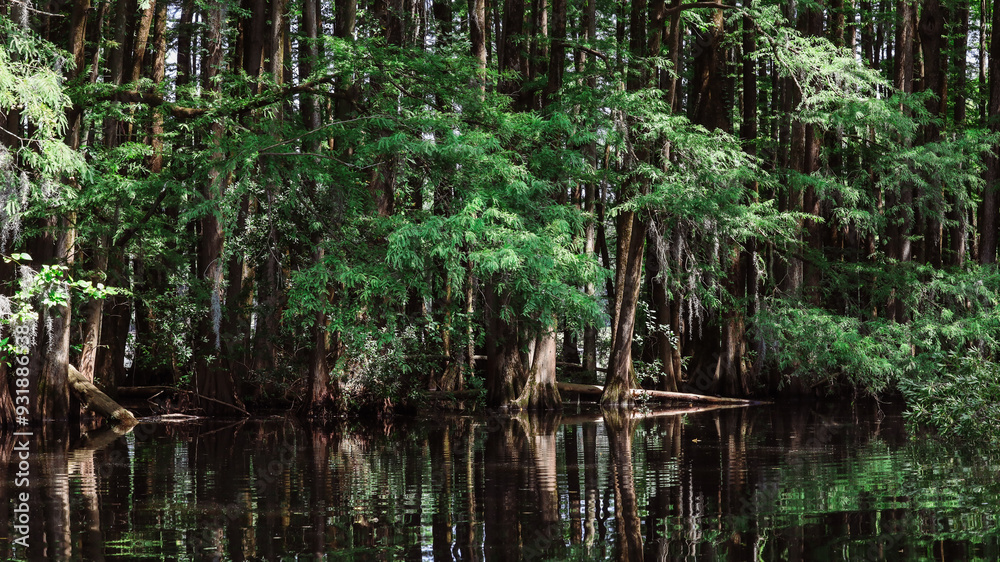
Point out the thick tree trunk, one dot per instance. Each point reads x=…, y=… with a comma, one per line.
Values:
x=323, y=397
x=811, y=274
x=504, y=370
x=540, y=392
x=141, y=41
x=557, y=61
x=731, y=370
x=906, y=12
x=708, y=87
x=538, y=56
x=589, y=24
x=53, y=393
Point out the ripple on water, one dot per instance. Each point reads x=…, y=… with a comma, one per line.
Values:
x=815, y=482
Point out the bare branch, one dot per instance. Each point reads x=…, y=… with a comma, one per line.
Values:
x=27, y=6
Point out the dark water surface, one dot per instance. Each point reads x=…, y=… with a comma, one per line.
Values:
x=810, y=482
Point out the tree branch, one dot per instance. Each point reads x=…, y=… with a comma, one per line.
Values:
x=181, y=112
x=693, y=5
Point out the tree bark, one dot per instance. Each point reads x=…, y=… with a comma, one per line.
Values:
x=477, y=38
x=540, y=392
x=958, y=215
x=504, y=370
x=53, y=393
x=557, y=62
x=93, y=399
x=214, y=381
x=628, y=275
x=323, y=397
x=988, y=209
x=935, y=80
x=512, y=57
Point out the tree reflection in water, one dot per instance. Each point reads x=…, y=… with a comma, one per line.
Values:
x=764, y=483
x=620, y=426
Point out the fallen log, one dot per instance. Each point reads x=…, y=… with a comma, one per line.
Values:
x=658, y=395
x=98, y=402
x=657, y=412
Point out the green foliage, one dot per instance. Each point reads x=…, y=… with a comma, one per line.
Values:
x=32, y=88
x=39, y=291
x=944, y=359
x=417, y=187
x=818, y=346
x=959, y=397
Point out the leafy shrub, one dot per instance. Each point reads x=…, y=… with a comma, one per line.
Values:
x=942, y=355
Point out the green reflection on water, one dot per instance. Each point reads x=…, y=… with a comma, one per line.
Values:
x=816, y=482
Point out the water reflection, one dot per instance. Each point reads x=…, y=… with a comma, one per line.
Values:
x=769, y=483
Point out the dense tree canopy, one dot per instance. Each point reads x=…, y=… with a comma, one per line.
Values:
x=330, y=201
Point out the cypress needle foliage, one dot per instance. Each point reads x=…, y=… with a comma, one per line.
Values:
x=387, y=199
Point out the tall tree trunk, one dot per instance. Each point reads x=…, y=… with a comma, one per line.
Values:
x=810, y=199
x=93, y=310
x=538, y=56
x=557, y=62
x=214, y=381
x=589, y=24
x=958, y=215
x=748, y=135
x=512, y=57
x=988, y=209
x=906, y=12
x=899, y=207
x=628, y=282
x=322, y=396
x=477, y=38
x=708, y=87
x=53, y=392
x=935, y=80
x=185, y=34
x=142, y=41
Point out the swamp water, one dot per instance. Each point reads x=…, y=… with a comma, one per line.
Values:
x=803, y=482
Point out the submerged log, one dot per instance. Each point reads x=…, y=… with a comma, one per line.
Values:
x=658, y=395
x=98, y=402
